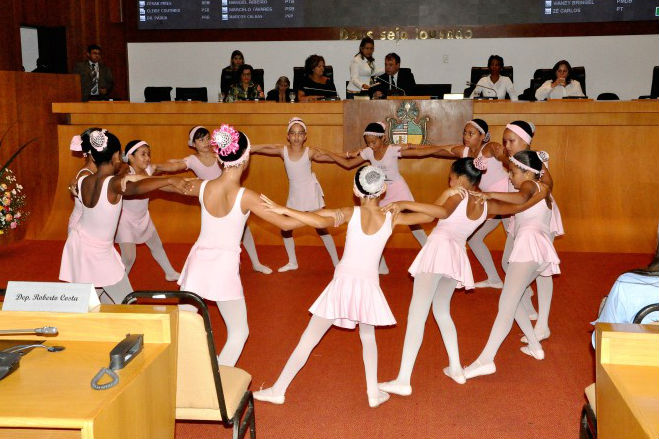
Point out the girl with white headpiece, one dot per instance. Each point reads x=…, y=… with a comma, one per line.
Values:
x=204, y=164
x=89, y=255
x=135, y=224
x=532, y=257
x=442, y=265
x=88, y=168
x=379, y=153
x=212, y=267
x=304, y=191
x=353, y=297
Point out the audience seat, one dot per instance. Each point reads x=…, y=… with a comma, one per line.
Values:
x=298, y=75
x=192, y=93
x=257, y=78
x=608, y=97
x=157, y=94
x=480, y=72
x=654, y=89
x=542, y=75
x=204, y=390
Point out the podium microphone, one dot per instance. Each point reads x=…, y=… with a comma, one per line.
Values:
x=378, y=79
x=45, y=330
x=333, y=93
x=471, y=84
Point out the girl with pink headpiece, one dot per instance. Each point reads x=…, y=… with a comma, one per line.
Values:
x=304, y=191
x=379, y=153
x=212, y=267
x=135, y=224
x=89, y=255
x=442, y=265
x=88, y=168
x=532, y=257
x=204, y=163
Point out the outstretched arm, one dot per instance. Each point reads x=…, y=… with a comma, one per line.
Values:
x=444, y=151
x=496, y=207
x=333, y=218
x=252, y=202
x=435, y=210
x=328, y=156
x=268, y=149
x=527, y=190
x=128, y=187
x=173, y=165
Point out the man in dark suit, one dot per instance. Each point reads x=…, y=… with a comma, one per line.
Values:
x=95, y=77
x=394, y=80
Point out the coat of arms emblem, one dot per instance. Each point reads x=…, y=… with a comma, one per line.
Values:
x=407, y=127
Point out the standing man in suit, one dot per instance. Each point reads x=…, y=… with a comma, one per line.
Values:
x=95, y=77
x=394, y=80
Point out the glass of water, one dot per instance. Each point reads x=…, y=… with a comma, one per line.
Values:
x=291, y=96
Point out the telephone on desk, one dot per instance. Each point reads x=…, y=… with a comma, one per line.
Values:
x=120, y=356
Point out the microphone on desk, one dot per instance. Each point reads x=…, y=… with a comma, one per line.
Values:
x=333, y=93
x=471, y=84
x=391, y=84
x=45, y=330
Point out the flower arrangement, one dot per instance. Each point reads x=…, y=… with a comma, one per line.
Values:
x=12, y=202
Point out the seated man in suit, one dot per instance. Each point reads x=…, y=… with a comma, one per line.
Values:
x=394, y=81
x=95, y=77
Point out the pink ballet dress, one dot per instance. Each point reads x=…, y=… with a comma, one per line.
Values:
x=77, y=205
x=495, y=178
x=354, y=295
x=89, y=255
x=304, y=191
x=202, y=171
x=533, y=241
x=135, y=225
x=211, y=269
x=445, y=250
x=397, y=189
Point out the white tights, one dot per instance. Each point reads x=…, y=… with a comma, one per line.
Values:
x=115, y=293
x=481, y=251
x=129, y=253
x=518, y=277
x=250, y=248
x=429, y=288
x=315, y=331
x=234, y=313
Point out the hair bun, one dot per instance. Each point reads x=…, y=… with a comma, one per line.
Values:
x=480, y=163
x=369, y=181
x=225, y=140
x=543, y=156
x=98, y=140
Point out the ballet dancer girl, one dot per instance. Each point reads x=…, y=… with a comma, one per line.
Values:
x=379, y=153
x=304, y=191
x=211, y=269
x=518, y=136
x=205, y=166
x=88, y=168
x=89, y=255
x=353, y=297
x=532, y=256
x=135, y=225
x=443, y=265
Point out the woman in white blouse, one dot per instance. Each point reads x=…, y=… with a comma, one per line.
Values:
x=362, y=68
x=561, y=86
x=494, y=84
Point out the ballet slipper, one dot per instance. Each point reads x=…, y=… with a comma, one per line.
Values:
x=537, y=354
x=172, y=277
x=288, y=267
x=262, y=269
x=267, y=395
x=544, y=335
x=396, y=388
x=377, y=400
x=489, y=284
x=457, y=377
x=477, y=369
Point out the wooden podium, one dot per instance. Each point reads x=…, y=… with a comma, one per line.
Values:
x=49, y=395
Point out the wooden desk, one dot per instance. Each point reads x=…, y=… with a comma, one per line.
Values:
x=603, y=161
x=627, y=385
x=50, y=393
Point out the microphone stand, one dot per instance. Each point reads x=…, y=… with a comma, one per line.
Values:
x=378, y=79
x=325, y=92
x=471, y=84
x=46, y=330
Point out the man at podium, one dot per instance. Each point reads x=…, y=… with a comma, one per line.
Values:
x=394, y=81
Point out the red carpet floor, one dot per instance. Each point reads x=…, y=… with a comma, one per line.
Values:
x=526, y=398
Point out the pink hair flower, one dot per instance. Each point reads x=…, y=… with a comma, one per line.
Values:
x=225, y=140
x=76, y=143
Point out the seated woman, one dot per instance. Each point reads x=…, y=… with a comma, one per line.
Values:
x=494, y=84
x=281, y=92
x=315, y=84
x=632, y=291
x=562, y=85
x=245, y=89
x=230, y=74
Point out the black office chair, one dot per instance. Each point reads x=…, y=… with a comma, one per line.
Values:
x=298, y=75
x=231, y=404
x=257, y=78
x=480, y=72
x=157, y=94
x=433, y=90
x=192, y=94
x=608, y=97
x=654, y=89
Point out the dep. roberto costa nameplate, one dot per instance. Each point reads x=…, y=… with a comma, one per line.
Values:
x=49, y=296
